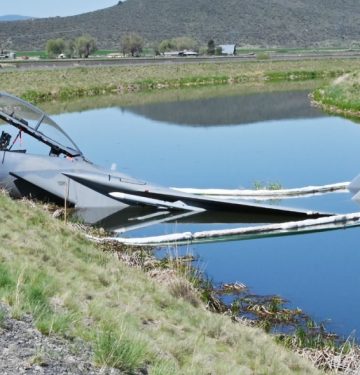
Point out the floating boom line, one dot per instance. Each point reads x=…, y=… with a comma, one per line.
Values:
x=264, y=194
x=333, y=222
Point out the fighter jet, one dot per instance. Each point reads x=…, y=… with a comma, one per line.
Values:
x=56, y=170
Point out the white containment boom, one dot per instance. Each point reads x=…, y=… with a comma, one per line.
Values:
x=341, y=221
x=264, y=194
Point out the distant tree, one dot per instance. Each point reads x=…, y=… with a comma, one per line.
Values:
x=178, y=44
x=218, y=51
x=203, y=50
x=155, y=47
x=132, y=44
x=5, y=44
x=211, y=47
x=70, y=48
x=167, y=45
x=85, y=45
x=54, y=47
x=185, y=42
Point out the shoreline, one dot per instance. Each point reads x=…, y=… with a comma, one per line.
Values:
x=46, y=85
x=340, y=97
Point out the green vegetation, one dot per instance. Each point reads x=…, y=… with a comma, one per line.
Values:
x=102, y=52
x=2, y=317
x=260, y=185
x=262, y=56
x=81, y=47
x=54, y=47
x=31, y=54
x=211, y=47
x=302, y=75
x=46, y=85
x=132, y=44
x=341, y=96
x=131, y=320
x=178, y=44
x=42, y=54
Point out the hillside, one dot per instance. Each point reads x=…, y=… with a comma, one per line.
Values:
x=286, y=23
x=13, y=17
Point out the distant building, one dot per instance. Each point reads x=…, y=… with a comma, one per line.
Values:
x=8, y=55
x=228, y=49
x=171, y=53
x=114, y=55
x=180, y=53
x=188, y=53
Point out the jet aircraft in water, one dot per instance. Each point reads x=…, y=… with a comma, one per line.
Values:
x=53, y=168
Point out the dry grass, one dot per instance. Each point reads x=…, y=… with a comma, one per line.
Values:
x=77, y=290
x=48, y=84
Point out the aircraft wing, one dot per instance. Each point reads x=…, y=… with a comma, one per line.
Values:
x=151, y=195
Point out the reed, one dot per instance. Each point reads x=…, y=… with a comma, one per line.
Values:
x=341, y=96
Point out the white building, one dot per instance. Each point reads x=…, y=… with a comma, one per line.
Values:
x=228, y=49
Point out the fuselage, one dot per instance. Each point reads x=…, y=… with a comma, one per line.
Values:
x=61, y=173
x=40, y=176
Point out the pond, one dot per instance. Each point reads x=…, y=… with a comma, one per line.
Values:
x=237, y=141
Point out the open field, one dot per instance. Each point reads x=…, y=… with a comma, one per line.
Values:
x=53, y=84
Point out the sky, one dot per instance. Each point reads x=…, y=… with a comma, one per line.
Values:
x=51, y=8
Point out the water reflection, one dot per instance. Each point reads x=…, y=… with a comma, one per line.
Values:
x=232, y=110
x=138, y=218
x=287, y=142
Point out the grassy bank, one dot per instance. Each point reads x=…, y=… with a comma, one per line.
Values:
x=342, y=96
x=63, y=84
x=130, y=318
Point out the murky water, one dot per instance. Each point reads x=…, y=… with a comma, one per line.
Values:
x=232, y=142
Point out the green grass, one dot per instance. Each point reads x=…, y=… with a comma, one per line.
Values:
x=2, y=317
x=40, y=54
x=262, y=56
x=261, y=185
x=119, y=349
x=341, y=96
x=303, y=75
x=283, y=50
x=131, y=320
x=102, y=52
x=43, y=55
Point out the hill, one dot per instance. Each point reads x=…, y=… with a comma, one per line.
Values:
x=284, y=23
x=13, y=17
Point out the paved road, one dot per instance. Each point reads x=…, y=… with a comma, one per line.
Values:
x=61, y=63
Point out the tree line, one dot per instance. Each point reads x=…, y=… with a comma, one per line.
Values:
x=131, y=44
x=81, y=47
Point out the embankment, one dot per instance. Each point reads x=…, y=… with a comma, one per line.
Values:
x=133, y=320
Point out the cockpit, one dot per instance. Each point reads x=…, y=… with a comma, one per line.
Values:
x=20, y=120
